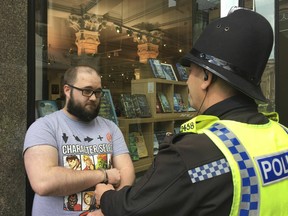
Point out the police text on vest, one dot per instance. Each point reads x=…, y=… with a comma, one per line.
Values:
x=273, y=167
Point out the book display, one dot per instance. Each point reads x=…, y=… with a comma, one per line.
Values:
x=153, y=129
x=107, y=109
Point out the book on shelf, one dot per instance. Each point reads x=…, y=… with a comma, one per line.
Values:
x=169, y=71
x=158, y=105
x=155, y=145
x=160, y=135
x=156, y=67
x=182, y=72
x=107, y=109
x=141, y=105
x=180, y=102
x=138, y=139
x=164, y=102
x=177, y=107
x=132, y=147
x=127, y=105
x=45, y=107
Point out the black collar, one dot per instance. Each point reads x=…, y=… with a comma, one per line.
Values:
x=238, y=108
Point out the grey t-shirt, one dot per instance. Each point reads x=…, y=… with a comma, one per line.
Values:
x=80, y=146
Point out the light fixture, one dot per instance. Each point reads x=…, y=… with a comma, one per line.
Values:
x=129, y=32
x=118, y=29
x=139, y=36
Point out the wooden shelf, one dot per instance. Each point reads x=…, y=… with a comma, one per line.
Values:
x=164, y=121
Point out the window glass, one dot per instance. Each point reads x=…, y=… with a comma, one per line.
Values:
x=117, y=37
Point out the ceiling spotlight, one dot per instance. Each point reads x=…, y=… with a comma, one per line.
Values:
x=129, y=32
x=139, y=36
x=118, y=29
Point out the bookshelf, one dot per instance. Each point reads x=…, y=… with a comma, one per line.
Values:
x=158, y=121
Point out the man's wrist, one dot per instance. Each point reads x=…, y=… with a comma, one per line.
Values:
x=105, y=179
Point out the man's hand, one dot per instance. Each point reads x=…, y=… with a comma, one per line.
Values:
x=100, y=189
x=113, y=176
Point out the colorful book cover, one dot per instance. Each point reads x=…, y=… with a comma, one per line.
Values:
x=140, y=144
x=132, y=147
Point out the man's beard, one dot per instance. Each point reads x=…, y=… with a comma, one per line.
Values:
x=80, y=112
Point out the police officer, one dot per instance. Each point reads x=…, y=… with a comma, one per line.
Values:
x=230, y=159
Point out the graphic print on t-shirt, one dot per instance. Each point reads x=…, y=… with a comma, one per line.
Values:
x=89, y=153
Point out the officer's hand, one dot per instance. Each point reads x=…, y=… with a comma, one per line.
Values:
x=100, y=189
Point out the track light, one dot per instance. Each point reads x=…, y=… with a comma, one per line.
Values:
x=129, y=32
x=118, y=29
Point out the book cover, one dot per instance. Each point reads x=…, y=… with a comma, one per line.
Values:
x=107, y=109
x=156, y=68
x=177, y=107
x=132, y=147
x=45, y=107
x=169, y=71
x=140, y=143
x=141, y=105
x=160, y=135
x=164, y=102
x=127, y=105
x=158, y=105
x=137, y=139
x=180, y=102
x=182, y=72
x=155, y=145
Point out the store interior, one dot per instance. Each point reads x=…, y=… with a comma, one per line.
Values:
x=116, y=36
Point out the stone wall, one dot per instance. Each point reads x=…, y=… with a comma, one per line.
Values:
x=13, y=102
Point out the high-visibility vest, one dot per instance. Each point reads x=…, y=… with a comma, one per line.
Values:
x=258, y=159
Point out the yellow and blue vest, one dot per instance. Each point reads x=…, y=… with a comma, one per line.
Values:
x=257, y=156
